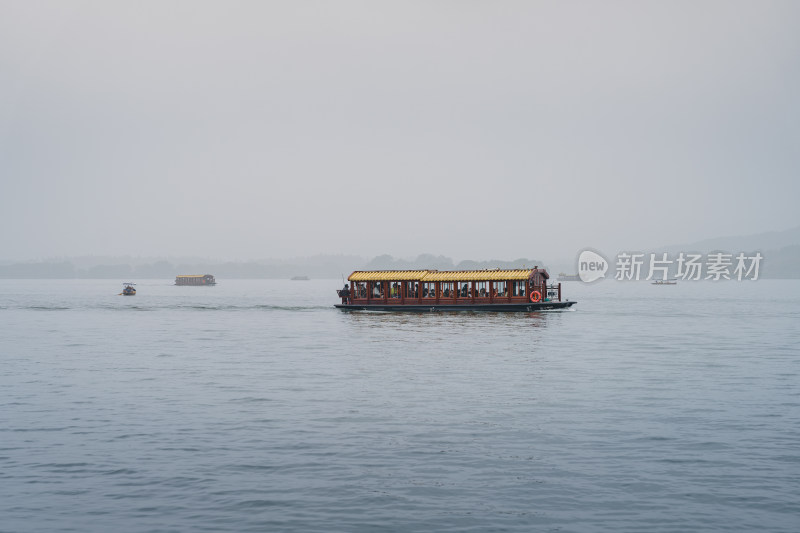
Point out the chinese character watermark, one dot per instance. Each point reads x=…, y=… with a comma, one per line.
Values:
x=689, y=266
x=752, y=270
x=714, y=266
x=629, y=266
x=669, y=268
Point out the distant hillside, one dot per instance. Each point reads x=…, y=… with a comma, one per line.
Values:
x=771, y=240
x=782, y=264
x=780, y=249
x=320, y=266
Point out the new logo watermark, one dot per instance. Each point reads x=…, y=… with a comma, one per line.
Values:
x=591, y=266
x=637, y=266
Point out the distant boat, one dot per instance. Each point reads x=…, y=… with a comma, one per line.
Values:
x=196, y=279
x=300, y=278
x=128, y=290
x=568, y=277
x=665, y=282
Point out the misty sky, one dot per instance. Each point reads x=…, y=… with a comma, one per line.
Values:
x=250, y=130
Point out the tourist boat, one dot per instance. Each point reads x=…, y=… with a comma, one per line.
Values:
x=665, y=282
x=128, y=289
x=568, y=277
x=455, y=290
x=300, y=278
x=196, y=279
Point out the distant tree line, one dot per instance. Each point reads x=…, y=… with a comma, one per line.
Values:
x=321, y=266
x=781, y=264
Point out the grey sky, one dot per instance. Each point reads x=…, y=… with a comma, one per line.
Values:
x=471, y=129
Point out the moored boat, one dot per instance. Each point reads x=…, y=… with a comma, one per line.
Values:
x=455, y=290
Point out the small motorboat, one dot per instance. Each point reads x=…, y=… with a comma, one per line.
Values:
x=665, y=282
x=128, y=290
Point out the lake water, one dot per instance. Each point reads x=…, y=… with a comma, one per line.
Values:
x=256, y=406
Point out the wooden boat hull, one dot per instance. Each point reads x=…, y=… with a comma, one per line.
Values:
x=518, y=307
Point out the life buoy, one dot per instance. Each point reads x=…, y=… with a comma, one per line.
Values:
x=536, y=296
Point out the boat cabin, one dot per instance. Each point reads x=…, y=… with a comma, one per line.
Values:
x=430, y=290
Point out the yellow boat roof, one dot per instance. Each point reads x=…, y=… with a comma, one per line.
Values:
x=387, y=275
x=441, y=275
x=478, y=275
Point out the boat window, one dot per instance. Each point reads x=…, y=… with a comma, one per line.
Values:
x=394, y=289
x=429, y=290
x=447, y=289
x=500, y=288
x=464, y=289
x=482, y=289
x=360, y=289
x=377, y=289
x=412, y=289
x=519, y=288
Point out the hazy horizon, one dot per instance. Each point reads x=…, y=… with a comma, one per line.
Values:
x=730, y=243
x=471, y=130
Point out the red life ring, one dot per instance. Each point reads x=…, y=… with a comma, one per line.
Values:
x=536, y=296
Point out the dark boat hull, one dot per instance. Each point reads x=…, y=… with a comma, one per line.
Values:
x=521, y=307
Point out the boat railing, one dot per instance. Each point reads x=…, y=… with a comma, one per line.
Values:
x=554, y=291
